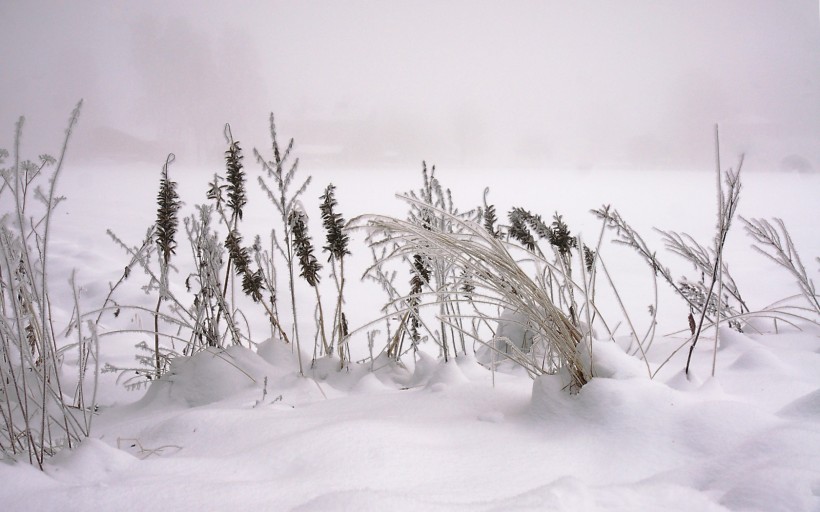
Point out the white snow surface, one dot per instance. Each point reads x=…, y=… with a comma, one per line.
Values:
x=240, y=429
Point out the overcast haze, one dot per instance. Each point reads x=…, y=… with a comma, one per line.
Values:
x=546, y=84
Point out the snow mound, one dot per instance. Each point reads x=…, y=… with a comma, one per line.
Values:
x=446, y=375
x=754, y=356
x=470, y=367
x=369, y=499
x=511, y=330
x=759, y=359
x=381, y=374
x=683, y=382
x=388, y=371
x=806, y=407
x=608, y=360
x=369, y=383
x=730, y=338
x=92, y=461
x=491, y=417
x=210, y=376
x=278, y=354
x=426, y=365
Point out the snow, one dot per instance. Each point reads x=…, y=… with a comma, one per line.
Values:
x=240, y=429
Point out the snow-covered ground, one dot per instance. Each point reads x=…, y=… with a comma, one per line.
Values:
x=241, y=430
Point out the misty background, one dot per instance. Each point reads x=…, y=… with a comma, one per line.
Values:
x=464, y=84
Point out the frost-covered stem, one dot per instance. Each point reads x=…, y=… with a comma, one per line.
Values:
x=650, y=333
x=80, y=394
x=228, y=275
x=450, y=305
x=270, y=280
x=343, y=342
x=325, y=346
x=156, y=337
x=725, y=215
x=587, y=297
x=458, y=315
x=16, y=306
x=626, y=235
x=718, y=250
x=95, y=338
x=137, y=256
x=566, y=271
x=16, y=176
x=222, y=299
x=176, y=305
x=8, y=335
x=47, y=342
x=700, y=324
x=289, y=260
x=442, y=315
x=784, y=254
x=275, y=321
x=75, y=115
x=45, y=345
x=339, y=319
x=275, y=169
x=626, y=314
x=5, y=381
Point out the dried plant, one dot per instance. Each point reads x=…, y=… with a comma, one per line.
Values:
x=420, y=278
x=393, y=308
x=519, y=230
x=489, y=217
x=284, y=200
x=626, y=235
x=727, y=206
x=338, y=243
x=209, y=301
x=165, y=236
x=498, y=281
x=303, y=247
x=523, y=224
x=36, y=417
x=432, y=208
x=705, y=301
x=775, y=243
x=703, y=261
x=235, y=177
x=254, y=282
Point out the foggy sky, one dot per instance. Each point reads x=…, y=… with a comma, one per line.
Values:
x=580, y=84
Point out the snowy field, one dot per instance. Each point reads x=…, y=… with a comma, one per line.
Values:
x=240, y=429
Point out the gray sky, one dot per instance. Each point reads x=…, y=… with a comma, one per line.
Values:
x=460, y=83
